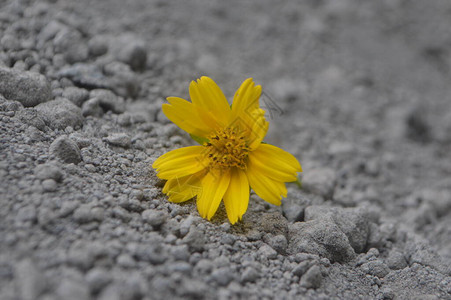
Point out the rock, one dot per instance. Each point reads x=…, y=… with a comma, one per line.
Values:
x=149, y=253
x=48, y=170
x=60, y=113
x=222, y=276
x=376, y=268
x=250, y=274
x=267, y=252
x=92, y=108
x=70, y=289
x=66, y=150
x=321, y=237
x=76, y=95
x=352, y=222
x=154, y=217
x=417, y=126
x=29, y=280
x=34, y=87
x=119, y=139
x=396, y=260
x=97, y=279
x=418, y=251
x=86, y=213
x=293, y=208
x=278, y=242
x=120, y=213
x=122, y=79
x=273, y=223
x=301, y=268
x=130, y=50
x=87, y=76
x=31, y=117
x=98, y=45
x=49, y=185
x=108, y=101
x=320, y=181
x=69, y=42
x=195, y=239
x=312, y=278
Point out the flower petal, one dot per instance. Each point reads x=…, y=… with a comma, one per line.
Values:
x=214, y=185
x=180, y=162
x=247, y=114
x=246, y=98
x=275, y=163
x=184, y=188
x=206, y=94
x=187, y=116
x=236, y=198
x=266, y=188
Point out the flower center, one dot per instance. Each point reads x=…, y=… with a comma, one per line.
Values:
x=226, y=148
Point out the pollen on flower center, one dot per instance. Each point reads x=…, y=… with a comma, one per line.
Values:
x=226, y=148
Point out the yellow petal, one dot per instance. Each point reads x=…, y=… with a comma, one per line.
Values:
x=247, y=114
x=214, y=185
x=184, y=188
x=180, y=162
x=275, y=163
x=266, y=188
x=236, y=198
x=186, y=116
x=246, y=98
x=258, y=132
x=206, y=94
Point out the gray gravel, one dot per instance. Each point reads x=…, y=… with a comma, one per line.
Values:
x=358, y=91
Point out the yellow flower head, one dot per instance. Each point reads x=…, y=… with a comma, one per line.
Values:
x=232, y=157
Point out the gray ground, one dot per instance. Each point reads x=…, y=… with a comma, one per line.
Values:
x=360, y=94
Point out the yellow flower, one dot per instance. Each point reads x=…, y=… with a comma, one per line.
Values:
x=231, y=157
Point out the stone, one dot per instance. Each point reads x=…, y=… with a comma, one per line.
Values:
x=273, y=223
x=76, y=95
x=277, y=242
x=313, y=278
x=29, y=280
x=48, y=170
x=122, y=79
x=119, y=139
x=70, y=289
x=352, y=222
x=66, y=150
x=320, y=181
x=222, y=276
x=249, y=274
x=155, y=218
x=87, y=76
x=60, y=113
x=97, y=279
x=321, y=237
x=301, y=268
x=92, y=108
x=108, y=100
x=376, y=268
x=86, y=213
x=131, y=50
x=267, y=252
x=396, y=260
x=98, y=45
x=49, y=185
x=34, y=88
x=31, y=117
x=68, y=41
x=293, y=209
x=195, y=239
